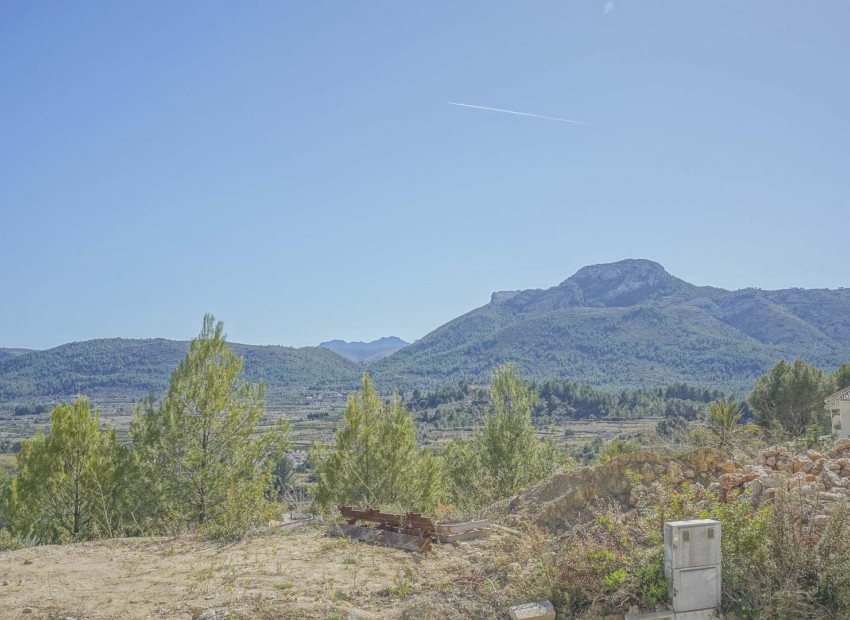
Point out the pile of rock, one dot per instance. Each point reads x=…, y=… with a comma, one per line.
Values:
x=821, y=479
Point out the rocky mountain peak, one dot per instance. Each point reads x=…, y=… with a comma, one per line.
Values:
x=624, y=283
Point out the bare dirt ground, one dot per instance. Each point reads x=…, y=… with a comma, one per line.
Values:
x=285, y=573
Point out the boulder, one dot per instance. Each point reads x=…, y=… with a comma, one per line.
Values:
x=733, y=481
x=831, y=480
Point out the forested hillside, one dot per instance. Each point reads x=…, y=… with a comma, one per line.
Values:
x=7, y=353
x=631, y=324
x=622, y=325
x=132, y=368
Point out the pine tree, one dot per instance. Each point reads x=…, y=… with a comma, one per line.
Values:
x=74, y=483
x=840, y=378
x=511, y=451
x=789, y=396
x=204, y=463
x=374, y=460
x=506, y=454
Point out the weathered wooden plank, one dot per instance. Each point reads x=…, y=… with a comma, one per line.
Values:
x=459, y=528
x=376, y=516
x=382, y=537
x=372, y=515
x=467, y=535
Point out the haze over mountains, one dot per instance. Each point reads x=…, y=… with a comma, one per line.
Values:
x=614, y=325
x=366, y=351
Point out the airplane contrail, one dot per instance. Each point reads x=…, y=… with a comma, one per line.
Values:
x=548, y=118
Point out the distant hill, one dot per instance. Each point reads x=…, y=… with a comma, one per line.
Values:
x=128, y=368
x=362, y=352
x=621, y=325
x=7, y=353
x=631, y=324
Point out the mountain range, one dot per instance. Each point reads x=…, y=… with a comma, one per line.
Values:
x=360, y=352
x=623, y=324
x=629, y=324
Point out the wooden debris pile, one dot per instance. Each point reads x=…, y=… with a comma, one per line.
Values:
x=410, y=531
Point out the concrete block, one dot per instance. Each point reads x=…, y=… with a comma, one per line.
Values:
x=698, y=614
x=688, y=544
x=694, y=589
x=541, y=610
x=651, y=615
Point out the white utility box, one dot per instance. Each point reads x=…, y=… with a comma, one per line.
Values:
x=692, y=565
x=689, y=544
x=692, y=589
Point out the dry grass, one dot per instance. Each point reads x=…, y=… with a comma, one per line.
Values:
x=295, y=573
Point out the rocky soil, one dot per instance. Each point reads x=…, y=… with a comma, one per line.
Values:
x=298, y=573
x=821, y=479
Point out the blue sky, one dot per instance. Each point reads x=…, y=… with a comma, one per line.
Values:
x=295, y=169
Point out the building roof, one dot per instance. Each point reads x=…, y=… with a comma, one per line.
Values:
x=839, y=395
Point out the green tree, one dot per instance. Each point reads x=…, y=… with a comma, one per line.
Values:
x=374, y=459
x=505, y=454
x=74, y=483
x=470, y=485
x=723, y=419
x=204, y=463
x=511, y=452
x=841, y=378
x=5, y=494
x=789, y=396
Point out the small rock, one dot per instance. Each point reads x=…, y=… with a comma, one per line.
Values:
x=831, y=480
x=27, y=562
x=541, y=610
x=820, y=521
x=5, y=582
x=833, y=466
x=647, y=472
x=26, y=610
x=840, y=446
x=207, y=615
x=674, y=470
x=771, y=461
x=814, y=455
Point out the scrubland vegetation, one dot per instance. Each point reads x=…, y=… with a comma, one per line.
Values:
x=196, y=462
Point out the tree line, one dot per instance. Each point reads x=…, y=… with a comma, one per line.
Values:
x=197, y=460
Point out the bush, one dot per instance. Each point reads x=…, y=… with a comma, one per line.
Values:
x=618, y=447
